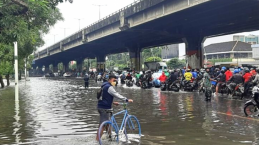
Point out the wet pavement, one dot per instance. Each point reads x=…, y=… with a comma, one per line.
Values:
x=60, y=112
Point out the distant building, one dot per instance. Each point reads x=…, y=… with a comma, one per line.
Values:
x=170, y=51
x=255, y=51
x=251, y=39
x=232, y=49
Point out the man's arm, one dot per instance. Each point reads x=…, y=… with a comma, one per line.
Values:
x=115, y=94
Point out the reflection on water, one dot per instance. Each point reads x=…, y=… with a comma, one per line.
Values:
x=60, y=111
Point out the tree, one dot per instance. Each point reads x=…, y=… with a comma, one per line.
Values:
x=151, y=59
x=175, y=63
x=24, y=22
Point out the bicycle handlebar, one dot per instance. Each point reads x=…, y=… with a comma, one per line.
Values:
x=123, y=103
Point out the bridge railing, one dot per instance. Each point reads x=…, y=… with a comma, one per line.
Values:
x=129, y=10
x=79, y=31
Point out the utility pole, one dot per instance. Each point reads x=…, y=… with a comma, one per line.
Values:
x=16, y=71
x=99, y=9
x=64, y=31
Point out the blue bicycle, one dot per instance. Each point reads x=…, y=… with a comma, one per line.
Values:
x=109, y=130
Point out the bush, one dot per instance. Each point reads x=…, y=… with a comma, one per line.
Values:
x=151, y=59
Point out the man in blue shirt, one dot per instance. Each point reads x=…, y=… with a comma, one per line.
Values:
x=194, y=73
x=106, y=100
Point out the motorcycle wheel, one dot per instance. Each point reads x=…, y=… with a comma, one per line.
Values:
x=250, y=110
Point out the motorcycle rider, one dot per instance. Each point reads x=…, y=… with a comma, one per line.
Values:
x=236, y=79
x=228, y=74
x=163, y=77
x=149, y=77
x=247, y=79
x=207, y=82
x=194, y=73
x=256, y=79
x=221, y=79
x=172, y=78
x=188, y=75
x=253, y=72
x=129, y=77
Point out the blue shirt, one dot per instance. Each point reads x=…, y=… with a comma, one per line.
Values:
x=194, y=74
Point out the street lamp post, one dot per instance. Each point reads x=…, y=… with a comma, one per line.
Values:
x=100, y=10
x=64, y=31
x=54, y=37
x=79, y=21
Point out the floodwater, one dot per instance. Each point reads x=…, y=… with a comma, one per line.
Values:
x=58, y=111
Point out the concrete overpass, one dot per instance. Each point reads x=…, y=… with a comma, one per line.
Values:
x=150, y=23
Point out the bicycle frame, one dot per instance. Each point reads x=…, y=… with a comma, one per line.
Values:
x=124, y=118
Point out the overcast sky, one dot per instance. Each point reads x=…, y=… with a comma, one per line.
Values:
x=88, y=13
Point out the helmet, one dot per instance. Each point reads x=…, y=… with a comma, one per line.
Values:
x=247, y=71
x=236, y=71
x=223, y=68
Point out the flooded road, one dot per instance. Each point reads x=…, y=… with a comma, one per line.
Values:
x=58, y=111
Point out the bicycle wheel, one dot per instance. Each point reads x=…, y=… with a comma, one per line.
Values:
x=250, y=110
x=132, y=128
x=107, y=133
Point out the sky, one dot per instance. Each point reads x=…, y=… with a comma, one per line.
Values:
x=88, y=12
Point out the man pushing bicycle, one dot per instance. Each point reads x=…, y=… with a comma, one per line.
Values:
x=106, y=100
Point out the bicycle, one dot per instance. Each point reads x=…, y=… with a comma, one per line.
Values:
x=110, y=131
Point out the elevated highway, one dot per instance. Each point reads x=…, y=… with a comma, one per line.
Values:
x=150, y=23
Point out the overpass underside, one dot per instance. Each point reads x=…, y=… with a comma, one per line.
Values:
x=191, y=26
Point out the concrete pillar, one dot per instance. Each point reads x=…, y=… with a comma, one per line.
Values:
x=101, y=63
x=55, y=67
x=194, y=51
x=135, y=59
x=66, y=66
x=79, y=65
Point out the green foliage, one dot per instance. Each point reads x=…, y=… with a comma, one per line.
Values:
x=175, y=63
x=151, y=59
x=60, y=66
x=220, y=60
x=24, y=22
x=151, y=52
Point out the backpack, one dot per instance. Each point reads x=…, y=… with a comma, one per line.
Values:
x=99, y=94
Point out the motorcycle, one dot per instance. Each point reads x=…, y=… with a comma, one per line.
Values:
x=175, y=86
x=122, y=80
x=144, y=85
x=208, y=94
x=236, y=90
x=129, y=83
x=251, y=107
x=137, y=83
x=223, y=89
x=163, y=86
x=187, y=85
x=99, y=78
